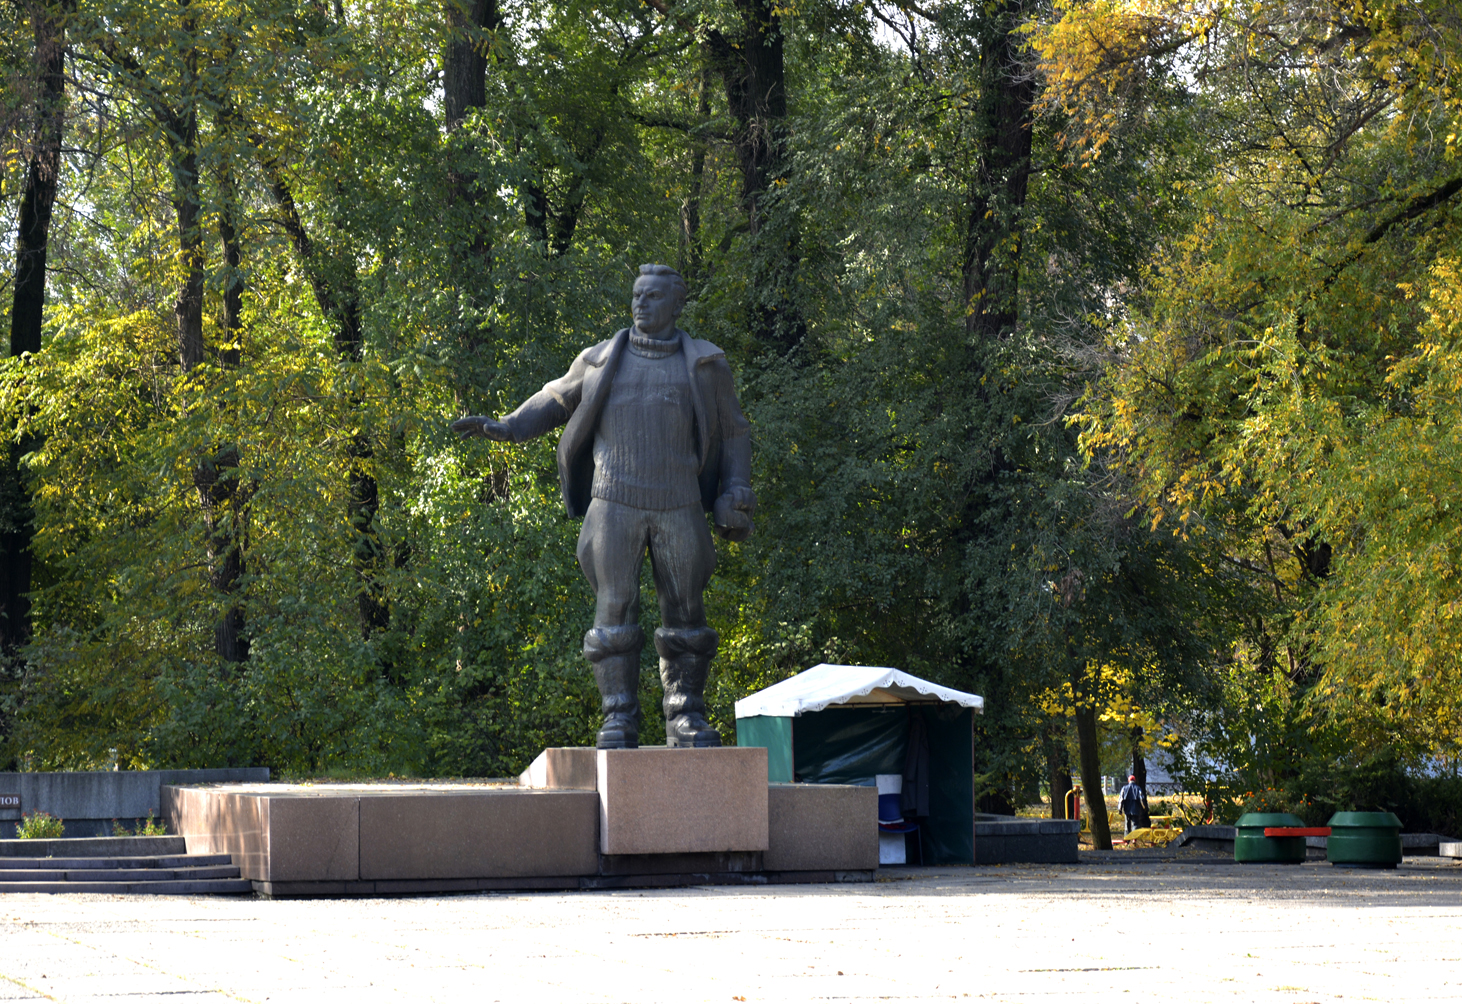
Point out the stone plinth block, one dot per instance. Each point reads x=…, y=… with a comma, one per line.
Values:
x=216, y=822
x=822, y=827
x=313, y=836
x=572, y=768
x=655, y=800
x=500, y=834
x=293, y=836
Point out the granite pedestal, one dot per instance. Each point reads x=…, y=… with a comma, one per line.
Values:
x=577, y=819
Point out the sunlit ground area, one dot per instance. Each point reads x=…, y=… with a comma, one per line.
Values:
x=1153, y=925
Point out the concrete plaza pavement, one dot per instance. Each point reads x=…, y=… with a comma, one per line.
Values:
x=1124, y=927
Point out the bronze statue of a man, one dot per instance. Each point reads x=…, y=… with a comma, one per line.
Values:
x=655, y=439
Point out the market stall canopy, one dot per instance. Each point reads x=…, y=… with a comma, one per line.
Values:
x=823, y=686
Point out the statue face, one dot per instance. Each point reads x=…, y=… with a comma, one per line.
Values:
x=654, y=305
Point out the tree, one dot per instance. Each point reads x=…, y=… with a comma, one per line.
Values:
x=1254, y=395
x=37, y=201
x=261, y=544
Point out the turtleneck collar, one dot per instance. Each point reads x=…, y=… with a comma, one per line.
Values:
x=654, y=348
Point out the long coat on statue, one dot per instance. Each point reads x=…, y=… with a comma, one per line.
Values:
x=579, y=397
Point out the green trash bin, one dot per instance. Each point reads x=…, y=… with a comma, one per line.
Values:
x=1364, y=840
x=1251, y=846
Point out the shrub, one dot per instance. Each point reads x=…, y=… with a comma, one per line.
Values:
x=1319, y=788
x=149, y=828
x=39, y=826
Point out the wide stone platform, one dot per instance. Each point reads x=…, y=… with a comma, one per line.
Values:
x=578, y=819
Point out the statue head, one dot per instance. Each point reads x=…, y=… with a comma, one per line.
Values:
x=658, y=298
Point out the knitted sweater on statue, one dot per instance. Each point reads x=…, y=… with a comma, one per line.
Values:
x=644, y=444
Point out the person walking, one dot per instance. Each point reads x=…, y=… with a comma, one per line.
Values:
x=1129, y=802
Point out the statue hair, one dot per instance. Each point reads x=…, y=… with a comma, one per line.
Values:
x=677, y=282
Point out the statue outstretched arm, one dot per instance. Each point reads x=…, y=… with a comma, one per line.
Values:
x=539, y=414
x=543, y=412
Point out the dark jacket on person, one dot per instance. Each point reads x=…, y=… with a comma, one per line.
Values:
x=1129, y=802
x=578, y=397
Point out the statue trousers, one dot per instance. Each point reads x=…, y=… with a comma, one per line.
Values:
x=612, y=547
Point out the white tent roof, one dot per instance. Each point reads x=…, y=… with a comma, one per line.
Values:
x=824, y=685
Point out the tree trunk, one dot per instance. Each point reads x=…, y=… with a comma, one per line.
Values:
x=1091, y=769
x=535, y=213
x=1139, y=771
x=189, y=308
x=1000, y=175
x=225, y=501
x=363, y=501
x=471, y=26
x=182, y=130
x=230, y=354
x=1058, y=769
x=225, y=505
x=753, y=70
x=464, y=70
x=342, y=306
x=42, y=177
x=692, y=252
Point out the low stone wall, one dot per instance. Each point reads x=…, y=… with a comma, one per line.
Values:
x=1211, y=837
x=91, y=801
x=1207, y=837
x=1002, y=840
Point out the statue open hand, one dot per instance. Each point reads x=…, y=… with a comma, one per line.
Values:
x=733, y=513
x=489, y=428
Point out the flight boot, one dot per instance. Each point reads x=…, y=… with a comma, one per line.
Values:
x=614, y=652
x=685, y=660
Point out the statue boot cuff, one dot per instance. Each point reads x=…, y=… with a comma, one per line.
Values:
x=600, y=642
x=614, y=652
x=685, y=659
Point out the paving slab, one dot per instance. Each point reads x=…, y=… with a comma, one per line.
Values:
x=1179, y=928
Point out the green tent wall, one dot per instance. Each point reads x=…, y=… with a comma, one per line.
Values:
x=850, y=744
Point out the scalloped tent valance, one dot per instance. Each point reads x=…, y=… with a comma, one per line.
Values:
x=825, y=685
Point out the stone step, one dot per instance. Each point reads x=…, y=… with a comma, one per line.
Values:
x=164, y=874
x=117, y=874
x=174, y=887
x=92, y=847
x=161, y=861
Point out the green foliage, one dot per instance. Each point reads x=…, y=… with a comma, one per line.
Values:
x=1368, y=783
x=145, y=828
x=1200, y=484
x=1281, y=390
x=39, y=826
